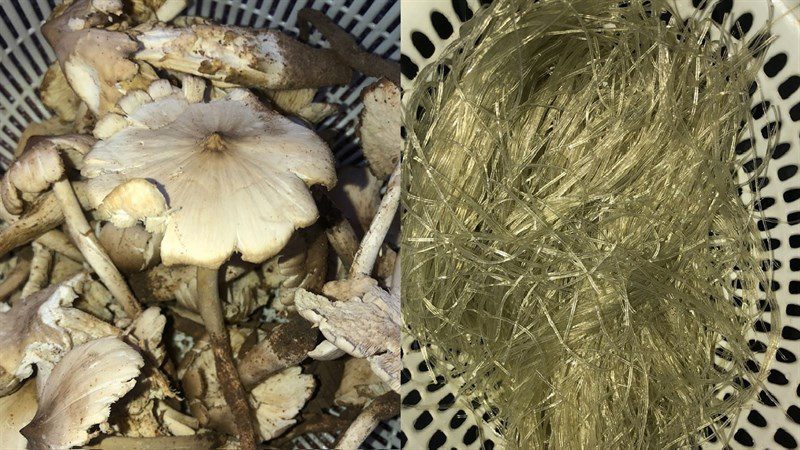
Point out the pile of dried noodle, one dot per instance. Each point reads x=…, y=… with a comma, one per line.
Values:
x=573, y=226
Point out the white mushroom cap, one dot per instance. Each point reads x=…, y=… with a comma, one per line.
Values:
x=133, y=201
x=39, y=328
x=230, y=158
x=16, y=411
x=39, y=165
x=79, y=392
x=379, y=127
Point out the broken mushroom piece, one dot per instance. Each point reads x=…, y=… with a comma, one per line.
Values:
x=364, y=327
x=134, y=201
x=379, y=127
x=16, y=411
x=372, y=242
x=231, y=158
x=276, y=399
x=57, y=95
x=233, y=56
x=300, y=103
x=132, y=249
x=287, y=345
x=360, y=385
x=93, y=60
x=39, y=166
x=75, y=400
x=39, y=328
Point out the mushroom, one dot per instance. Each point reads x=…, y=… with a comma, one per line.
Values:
x=359, y=384
x=93, y=60
x=240, y=56
x=40, y=328
x=379, y=127
x=40, y=269
x=156, y=10
x=379, y=342
x=16, y=411
x=134, y=201
x=75, y=400
x=276, y=399
x=57, y=95
x=300, y=103
x=345, y=46
x=43, y=215
x=38, y=167
x=131, y=249
x=233, y=158
x=287, y=345
x=364, y=327
x=14, y=278
x=357, y=195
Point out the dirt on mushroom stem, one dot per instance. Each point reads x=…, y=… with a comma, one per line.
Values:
x=210, y=310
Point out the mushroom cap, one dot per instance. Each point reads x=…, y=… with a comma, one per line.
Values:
x=131, y=249
x=365, y=327
x=379, y=127
x=278, y=400
x=230, y=158
x=57, y=95
x=39, y=165
x=79, y=392
x=41, y=327
x=93, y=60
x=16, y=411
x=132, y=201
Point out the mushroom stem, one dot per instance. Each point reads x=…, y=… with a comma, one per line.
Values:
x=206, y=441
x=346, y=48
x=210, y=309
x=18, y=274
x=82, y=235
x=373, y=239
x=59, y=242
x=40, y=269
x=382, y=408
x=43, y=216
x=338, y=230
x=287, y=346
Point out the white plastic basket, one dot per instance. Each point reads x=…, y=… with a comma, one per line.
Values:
x=771, y=421
x=375, y=24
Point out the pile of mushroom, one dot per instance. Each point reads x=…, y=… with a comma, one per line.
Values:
x=182, y=264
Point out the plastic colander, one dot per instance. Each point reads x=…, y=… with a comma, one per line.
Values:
x=434, y=417
x=374, y=23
